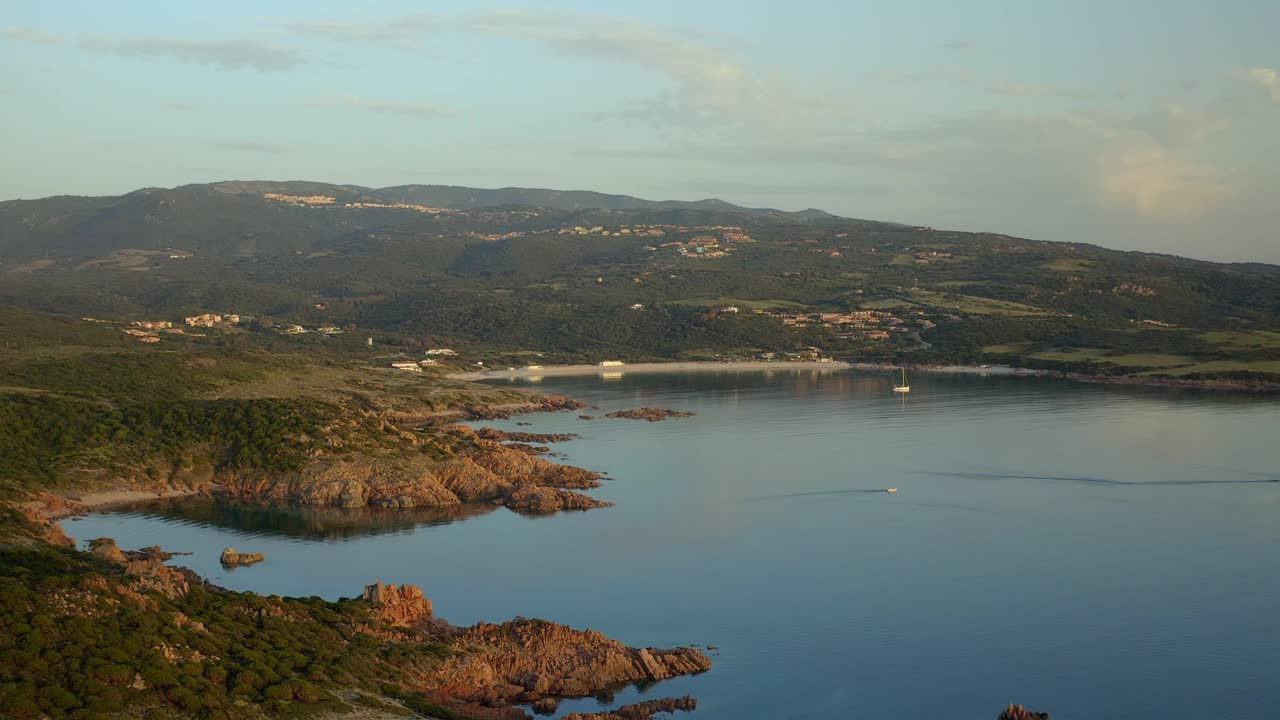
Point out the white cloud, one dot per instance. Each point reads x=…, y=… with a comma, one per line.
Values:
x=32, y=35
x=221, y=54
x=1264, y=77
x=232, y=54
x=709, y=86
x=1158, y=185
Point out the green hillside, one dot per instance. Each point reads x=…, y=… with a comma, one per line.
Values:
x=581, y=274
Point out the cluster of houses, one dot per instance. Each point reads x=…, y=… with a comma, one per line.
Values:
x=719, y=238
x=433, y=356
x=325, y=329
x=148, y=331
x=699, y=246
x=855, y=324
x=330, y=201
x=212, y=320
x=494, y=237
x=927, y=256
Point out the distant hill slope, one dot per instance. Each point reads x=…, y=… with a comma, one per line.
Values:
x=238, y=217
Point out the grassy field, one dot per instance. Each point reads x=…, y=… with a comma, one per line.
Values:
x=1220, y=366
x=973, y=304
x=1069, y=265
x=1243, y=340
x=752, y=304
x=1151, y=360
x=1006, y=349
x=886, y=304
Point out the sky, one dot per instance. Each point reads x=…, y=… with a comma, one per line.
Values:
x=1139, y=125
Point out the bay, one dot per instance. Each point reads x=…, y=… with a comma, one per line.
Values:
x=1098, y=552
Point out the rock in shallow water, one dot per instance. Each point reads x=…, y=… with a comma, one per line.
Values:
x=231, y=558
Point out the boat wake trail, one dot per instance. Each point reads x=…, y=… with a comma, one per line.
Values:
x=816, y=493
x=1103, y=481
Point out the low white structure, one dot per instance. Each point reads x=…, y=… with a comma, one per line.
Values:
x=410, y=366
x=610, y=363
x=441, y=351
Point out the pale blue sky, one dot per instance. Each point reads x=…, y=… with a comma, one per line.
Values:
x=1143, y=124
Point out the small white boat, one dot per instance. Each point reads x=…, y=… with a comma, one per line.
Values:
x=891, y=491
x=904, y=387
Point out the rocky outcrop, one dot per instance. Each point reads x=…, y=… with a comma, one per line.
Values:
x=145, y=566
x=231, y=558
x=525, y=660
x=106, y=549
x=641, y=710
x=470, y=482
x=528, y=449
x=545, y=706
x=520, y=469
x=489, y=433
x=1018, y=712
x=652, y=414
x=586, y=417
x=372, y=482
x=398, y=605
x=542, y=499
x=542, y=403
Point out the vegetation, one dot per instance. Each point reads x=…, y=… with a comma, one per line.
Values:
x=76, y=643
x=501, y=279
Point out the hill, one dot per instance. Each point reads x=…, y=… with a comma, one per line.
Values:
x=580, y=275
x=271, y=217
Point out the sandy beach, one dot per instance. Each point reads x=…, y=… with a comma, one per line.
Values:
x=99, y=500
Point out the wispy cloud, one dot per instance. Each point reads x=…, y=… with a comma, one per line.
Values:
x=32, y=35
x=221, y=54
x=182, y=106
x=228, y=54
x=709, y=86
x=391, y=107
x=402, y=32
x=251, y=147
x=1264, y=77
x=960, y=45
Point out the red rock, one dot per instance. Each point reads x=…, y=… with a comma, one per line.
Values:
x=399, y=605
x=640, y=711
x=541, y=499
x=529, y=659
x=651, y=414
x=1018, y=712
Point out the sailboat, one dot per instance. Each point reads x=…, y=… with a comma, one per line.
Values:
x=904, y=387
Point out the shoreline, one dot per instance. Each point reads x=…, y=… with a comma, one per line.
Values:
x=653, y=368
x=680, y=366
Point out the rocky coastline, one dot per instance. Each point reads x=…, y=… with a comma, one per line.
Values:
x=489, y=670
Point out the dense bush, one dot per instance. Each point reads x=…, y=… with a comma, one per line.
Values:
x=69, y=649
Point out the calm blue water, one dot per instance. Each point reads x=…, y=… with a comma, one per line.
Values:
x=1095, y=552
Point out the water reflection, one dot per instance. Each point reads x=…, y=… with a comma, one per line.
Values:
x=302, y=522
